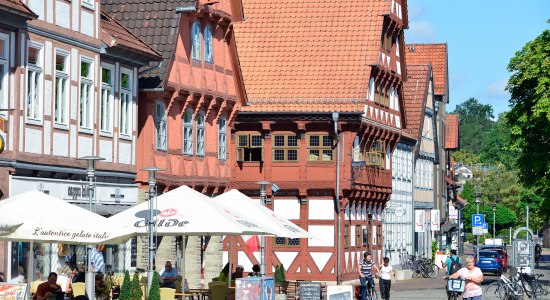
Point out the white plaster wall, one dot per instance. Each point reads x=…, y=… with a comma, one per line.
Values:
x=76, y=14
x=287, y=208
x=21, y=136
x=74, y=101
x=320, y=258
x=286, y=258
x=87, y=23
x=125, y=153
x=324, y=236
x=62, y=14
x=47, y=137
x=48, y=96
x=72, y=141
x=75, y=64
x=321, y=209
x=106, y=150
x=37, y=6
x=33, y=141
x=60, y=142
x=84, y=146
x=115, y=140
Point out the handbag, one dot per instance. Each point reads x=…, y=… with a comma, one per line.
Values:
x=456, y=285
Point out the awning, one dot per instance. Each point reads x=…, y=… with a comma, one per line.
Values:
x=449, y=226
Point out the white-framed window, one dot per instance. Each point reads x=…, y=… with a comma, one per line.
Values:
x=88, y=4
x=371, y=89
x=208, y=50
x=200, y=134
x=196, y=41
x=222, y=138
x=34, y=82
x=125, y=122
x=397, y=47
x=160, y=125
x=188, y=135
x=106, y=101
x=86, y=107
x=61, y=92
x=4, y=71
x=392, y=98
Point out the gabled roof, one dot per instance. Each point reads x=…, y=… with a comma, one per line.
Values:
x=114, y=35
x=451, y=132
x=436, y=55
x=156, y=23
x=301, y=55
x=17, y=7
x=415, y=93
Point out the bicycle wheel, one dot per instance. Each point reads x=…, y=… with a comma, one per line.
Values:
x=454, y=296
x=373, y=294
x=434, y=271
x=510, y=291
x=491, y=292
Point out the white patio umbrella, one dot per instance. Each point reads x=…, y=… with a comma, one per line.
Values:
x=46, y=219
x=8, y=225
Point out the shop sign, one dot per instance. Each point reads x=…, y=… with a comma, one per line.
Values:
x=435, y=219
x=419, y=221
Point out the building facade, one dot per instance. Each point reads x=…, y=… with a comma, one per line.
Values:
x=322, y=119
x=72, y=78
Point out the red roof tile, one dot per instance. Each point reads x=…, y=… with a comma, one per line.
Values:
x=415, y=93
x=436, y=55
x=115, y=35
x=451, y=132
x=17, y=7
x=299, y=49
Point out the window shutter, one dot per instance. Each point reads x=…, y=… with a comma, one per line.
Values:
x=240, y=154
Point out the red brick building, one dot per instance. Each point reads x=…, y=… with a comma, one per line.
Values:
x=300, y=64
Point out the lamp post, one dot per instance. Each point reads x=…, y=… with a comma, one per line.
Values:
x=263, y=202
x=335, y=117
x=527, y=212
x=478, y=200
x=90, y=174
x=494, y=222
x=151, y=222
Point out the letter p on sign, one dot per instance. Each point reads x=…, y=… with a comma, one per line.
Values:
x=477, y=220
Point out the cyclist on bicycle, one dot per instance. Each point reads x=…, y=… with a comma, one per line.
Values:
x=473, y=277
x=452, y=265
x=367, y=268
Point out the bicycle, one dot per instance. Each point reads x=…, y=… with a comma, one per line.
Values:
x=504, y=288
x=371, y=292
x=455, y=287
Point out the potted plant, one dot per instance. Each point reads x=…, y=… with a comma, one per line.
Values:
x=280, y=280
x=126, y=289
x=154, y=293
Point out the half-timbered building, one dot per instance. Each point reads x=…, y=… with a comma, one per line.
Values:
x=323, y=113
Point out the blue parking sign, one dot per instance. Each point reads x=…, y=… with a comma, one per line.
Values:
x=478, y=220
x=485, y=226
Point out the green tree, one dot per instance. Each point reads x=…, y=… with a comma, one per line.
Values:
x=529, y=116
x=475, y=120
x=496, y=145
x=136, y=292
x=126, y=289
x=499, y=186
x=466, y=158
x=154, y=293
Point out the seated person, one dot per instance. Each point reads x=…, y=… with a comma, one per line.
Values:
x=78, y=274
x=238, y=273
x=48, y=288
x=169, y=276
x=255, y=271
x=101, y=290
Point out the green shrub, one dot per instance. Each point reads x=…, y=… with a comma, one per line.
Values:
x=434, y=250
x=279, y=275
x=137, y=293
x=126, y=288
x=154, y=293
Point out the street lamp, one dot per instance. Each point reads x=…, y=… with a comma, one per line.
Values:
x=478, y=200
x=494, y=222
x=151, y=222
x=90, y=172
x=527, y=212
x=263, y=202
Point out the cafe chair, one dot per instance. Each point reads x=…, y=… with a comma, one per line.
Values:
x=167, y=294
x=79, y=289
x=218, y=290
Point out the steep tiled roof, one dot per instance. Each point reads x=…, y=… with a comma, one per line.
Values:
x=303, y=105
x=297, y=50
x=451, y=131
x=17, y=7
x=415, y=89
x=434, y=54
x=113, y=34
x=156, y=23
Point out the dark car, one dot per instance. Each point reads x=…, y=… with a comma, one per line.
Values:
x=503, y=256
x=489, y=261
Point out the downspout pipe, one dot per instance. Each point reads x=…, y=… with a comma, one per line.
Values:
x=335, y=117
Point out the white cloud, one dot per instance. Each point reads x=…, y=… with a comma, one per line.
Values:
x=420, y=32
x=496, y=89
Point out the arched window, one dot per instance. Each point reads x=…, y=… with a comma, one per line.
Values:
x=208, y=57
x=196, y=41
x=371, y=89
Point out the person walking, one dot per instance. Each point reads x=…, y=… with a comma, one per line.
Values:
x=452, y=265
x=473, y=277
x=387, y=275
x=367, y=268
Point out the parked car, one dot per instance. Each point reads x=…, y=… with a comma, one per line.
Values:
x=503, y=256
x=489, y=261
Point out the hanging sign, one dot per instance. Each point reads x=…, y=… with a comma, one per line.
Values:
x=435, y=219
x=419, y=221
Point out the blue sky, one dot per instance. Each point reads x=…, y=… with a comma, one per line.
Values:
x=482, y=36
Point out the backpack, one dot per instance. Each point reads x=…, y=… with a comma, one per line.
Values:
x=455, y=265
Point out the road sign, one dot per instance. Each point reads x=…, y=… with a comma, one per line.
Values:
x=477, y=230
x=485, y=228
x=478, y=220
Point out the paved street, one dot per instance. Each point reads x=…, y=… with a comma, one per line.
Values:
x=433, y=288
